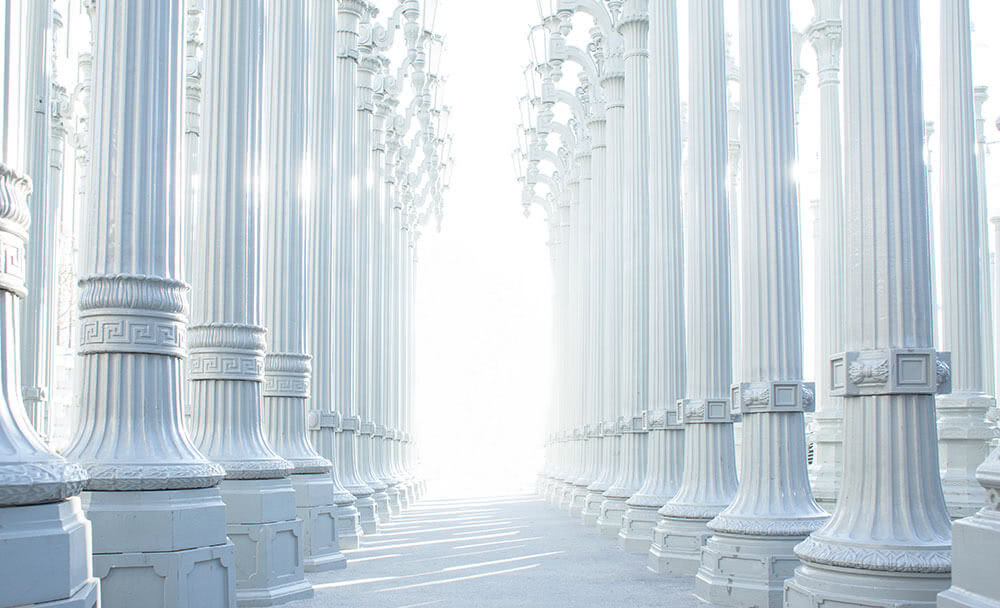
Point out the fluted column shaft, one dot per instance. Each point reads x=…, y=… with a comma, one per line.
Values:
x=709, y=473
x=989, y=285
x=226, y=365
x=38, y=321
x=963, y=432
x=887, y=541
x=634, y=27
x=323, y=96
x=824, y=33
x=380, y=308
x=773, y=499
x=662, y=299
x=346, y=270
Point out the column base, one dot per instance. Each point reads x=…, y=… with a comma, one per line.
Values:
x=576, y=501
x=46, y=556
x=348, y=526
x=395, y=503
x=636, y=532
x=382, y=512
x=191, y=578
x=963, y=444
x=816, y=586
x=270, y=553
x=314, y=506
x=610, y=521
x=975, y=553
x=168, y=547
x=405, y=496
x=676, y=546
x=566, y=496
x=746, y=570
x=591, y=508
x=367, y=514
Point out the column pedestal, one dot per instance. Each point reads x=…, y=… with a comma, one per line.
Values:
x=963, y=444
x=168, y=547
x=261, y=522
x=314, y=507
x=45, y=558
x=665, y=461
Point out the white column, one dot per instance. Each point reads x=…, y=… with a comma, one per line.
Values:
x=750, y=554
x=584, y=323
x=824, y=473
x=602, y=415
x=153, y=499
x=995, y=270
x=633, y=24
x=324, y=417
x=963, y=434
x=887, y=543
x=665, y=313
x=227, y=339
x=989, y=285
x=193, y=39
x=345, y=268
x=365, y=290
x=620, y=294
x=46, y=557
x=38, y=317
x=380, y=309
x=709, y=475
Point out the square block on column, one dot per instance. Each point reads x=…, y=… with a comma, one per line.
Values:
x=192, y=578
x=254, y=501
x=270, y=564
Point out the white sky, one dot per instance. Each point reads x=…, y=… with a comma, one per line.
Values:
x=484, y=285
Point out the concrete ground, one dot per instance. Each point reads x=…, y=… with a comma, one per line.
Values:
x=491, y=552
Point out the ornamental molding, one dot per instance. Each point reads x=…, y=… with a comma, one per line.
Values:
x=767, y=526
x=275, y=468
x=226, y=351
x=31, y=483
x=287, y=375
x=316, y=420
x=774, y=396
x=890, y=371
x=700, y=411
x=367, y=428
x=127, y=477
x=350, y=423
x=131, y=313
x=911, y=560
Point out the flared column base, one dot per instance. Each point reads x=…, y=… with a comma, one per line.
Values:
x=975, y=553
x=963, y=444
x=261, y=521
x=382, y=512
x=314, y=506
x=566, y=498
x=816, y=586
x=168, y=547
x=676, y=546
x=746, y=571
x=45, y=559
x=636, y=532
x=591, y=508
x=610, y=521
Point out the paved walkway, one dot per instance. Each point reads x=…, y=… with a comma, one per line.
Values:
x=513, y=551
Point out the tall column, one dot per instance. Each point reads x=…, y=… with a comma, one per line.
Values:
x=663, y=302
x=887, y=543
x=963, y=434
x=365, y=291
x=346, y=257
x=709, y=475
x=620, y=295
x=749, y=555
x=227, y=346
x=153, y=498
x=824, y=473
x=193, y=43
x=38, y=326
x=42, y=527
x=324, y=417
x=380, y=309
x=989, y=285
x=599, y=234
